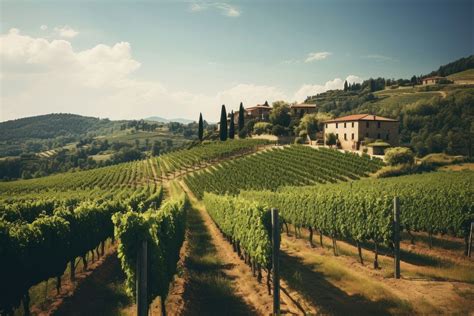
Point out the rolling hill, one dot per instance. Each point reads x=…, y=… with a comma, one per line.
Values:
x=52, y=126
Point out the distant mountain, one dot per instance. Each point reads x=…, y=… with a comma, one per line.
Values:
x=51, y=126
x=164, y=120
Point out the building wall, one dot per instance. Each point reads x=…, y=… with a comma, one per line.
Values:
x=259, y=114
x=350, y=134
x=338, y=129
x=375, y=132
x=431, y=81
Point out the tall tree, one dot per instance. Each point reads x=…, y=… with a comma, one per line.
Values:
x=223, y=124
x=241, y=123
x=371, y=85
x=232, y=126
x=155, y=148
x=201, y=127
x=345, y=85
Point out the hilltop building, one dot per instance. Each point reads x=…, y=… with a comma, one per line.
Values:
x=358, y=130
x=432, y=80
x=259, y=112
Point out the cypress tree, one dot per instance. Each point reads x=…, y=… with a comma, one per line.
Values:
x=223, y=124
x=241, y=117
x=232, y=126
x=345, y=85
x=201, y=127
x=372, y=85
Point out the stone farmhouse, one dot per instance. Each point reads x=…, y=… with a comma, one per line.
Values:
x=432, y=80
x=353, y=132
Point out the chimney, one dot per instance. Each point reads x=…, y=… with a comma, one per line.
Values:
x=374, y=117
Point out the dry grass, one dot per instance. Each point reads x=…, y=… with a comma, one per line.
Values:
x=433, y=281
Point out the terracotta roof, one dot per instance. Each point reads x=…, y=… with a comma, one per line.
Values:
x=303, y=106
x=259, y=106
x=361, y=117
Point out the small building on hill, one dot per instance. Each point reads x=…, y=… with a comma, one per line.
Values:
x=302, y=109
x=432, y=80
x=354, y=131
x=259, y=112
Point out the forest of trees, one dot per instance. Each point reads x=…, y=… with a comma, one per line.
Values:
x=454, y=67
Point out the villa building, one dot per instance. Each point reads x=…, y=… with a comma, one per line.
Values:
x=353, y=130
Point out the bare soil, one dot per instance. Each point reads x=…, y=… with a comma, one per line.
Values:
x=245, y=285
x=83, y=295
x=342, y=285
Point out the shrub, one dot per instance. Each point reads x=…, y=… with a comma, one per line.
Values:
x=402, y=169
x=262, y=128
x=331, y=140
x=279, y=130
x=399, y=155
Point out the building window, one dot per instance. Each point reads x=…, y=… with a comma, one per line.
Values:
x=345, y=136
x=352, y=136
x=337, y=136
x=344, y=125
x=378, y=136
x=336, y=125
x=366, y=124
x=352, y=124
x=378, y=124
x=326, y=125
x=387, y=137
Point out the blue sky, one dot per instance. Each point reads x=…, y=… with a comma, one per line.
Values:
x=174, y=59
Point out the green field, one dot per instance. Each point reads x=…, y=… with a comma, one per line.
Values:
x=466, y=75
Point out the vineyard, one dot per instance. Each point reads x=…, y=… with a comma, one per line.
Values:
x=432, y=203
x=139, y=206
x=208, y=153
x=271, y=169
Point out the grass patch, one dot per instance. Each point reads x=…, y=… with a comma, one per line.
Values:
x=336, y=289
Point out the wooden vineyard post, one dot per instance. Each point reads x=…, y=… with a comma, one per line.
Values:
x=142, y=277
x=396, y=236
x=276, y=261
x=469, y=249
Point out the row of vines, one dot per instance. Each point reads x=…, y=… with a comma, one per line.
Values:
x=271, y=169
x=435, y=203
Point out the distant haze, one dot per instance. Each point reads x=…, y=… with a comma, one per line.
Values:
x=164, y=120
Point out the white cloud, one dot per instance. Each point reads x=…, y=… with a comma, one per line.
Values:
x=317, y=56
x=41, y=76
x=225, y=8
x=66, y=31
x=313, y=89
x=43, y=27
x=196, y=7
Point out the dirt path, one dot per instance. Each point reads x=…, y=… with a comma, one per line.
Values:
x=96, y=290
x=246, y=286
x=102, y=293
x=341, y=285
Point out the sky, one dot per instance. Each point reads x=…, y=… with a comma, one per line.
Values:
x=175, y=59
